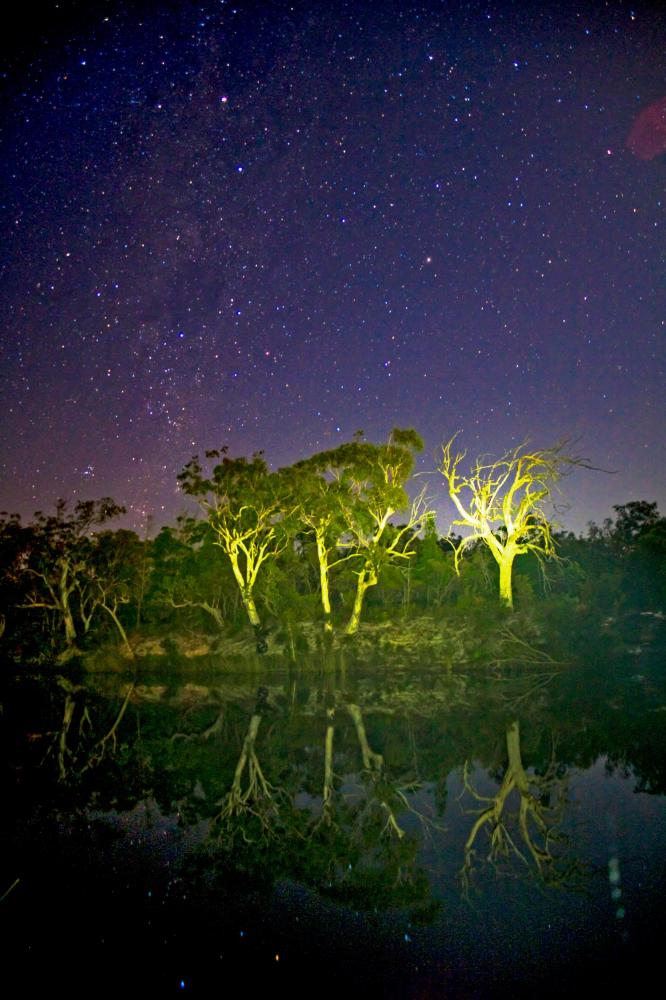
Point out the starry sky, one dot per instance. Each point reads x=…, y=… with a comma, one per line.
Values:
x=271, y=224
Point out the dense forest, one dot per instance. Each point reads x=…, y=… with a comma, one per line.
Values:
x=338, y=548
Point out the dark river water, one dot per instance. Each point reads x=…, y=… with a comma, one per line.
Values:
x=337, y=831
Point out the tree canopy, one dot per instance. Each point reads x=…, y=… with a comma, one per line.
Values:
x=503, y=503
x=334, y=538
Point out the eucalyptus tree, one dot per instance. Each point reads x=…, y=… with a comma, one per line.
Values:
x=62, y=568
x=321, y=493
x=346, y=497
x=245, y=506
x=191, y=573
x=375, y=477
x=503, y=502
x=112, y=578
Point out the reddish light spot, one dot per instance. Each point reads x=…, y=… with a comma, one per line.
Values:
x=647, y=138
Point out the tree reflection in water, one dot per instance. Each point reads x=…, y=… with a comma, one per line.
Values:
x=541, y=804
x=337, y=783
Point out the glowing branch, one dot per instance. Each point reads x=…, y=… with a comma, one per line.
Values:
x=502, y=503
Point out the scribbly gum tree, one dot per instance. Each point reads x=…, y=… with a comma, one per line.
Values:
x=376, y=476
x=502, y=502
x=67, y=568
x=345, y=498
x=112, y=578
x=316, y=489
x=243, y=503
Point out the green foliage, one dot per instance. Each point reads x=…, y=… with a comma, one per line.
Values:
x=309, y=545
x=634, y=520
x=249, y=514
x=190, y=574
x=625, y=560
x=64, y=572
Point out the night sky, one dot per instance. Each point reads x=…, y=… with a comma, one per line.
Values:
x=269, y=225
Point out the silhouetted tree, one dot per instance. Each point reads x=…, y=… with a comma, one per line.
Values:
x=64, y=568
x=634, y=519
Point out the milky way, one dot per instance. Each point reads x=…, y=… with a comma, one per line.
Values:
x=270, y=225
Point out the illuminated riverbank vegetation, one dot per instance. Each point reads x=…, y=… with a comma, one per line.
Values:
x=341, y=549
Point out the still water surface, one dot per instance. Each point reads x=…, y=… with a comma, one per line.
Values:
x=407, y=833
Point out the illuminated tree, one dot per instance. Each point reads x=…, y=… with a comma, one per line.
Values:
x=376, y=476
x=243, y=503
x=316, y=490
x=345, y=498
x=503, y=502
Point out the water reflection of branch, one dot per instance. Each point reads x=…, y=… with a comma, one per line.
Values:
x=541, y=681
x=63, y=750
x=60, y=736
x=14, y=883
x=67, y=757
x=254, y=800
x=110, y=738
x=216, y=727
x=537, y=820
x=371, y=859
x=524, y=652
x=386, y=793
x=327, y=795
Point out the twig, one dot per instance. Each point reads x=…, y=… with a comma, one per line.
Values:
x=7, y=891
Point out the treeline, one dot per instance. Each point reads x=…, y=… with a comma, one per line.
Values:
x=330, y=540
